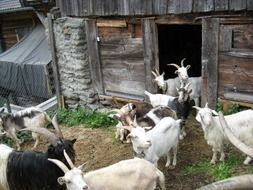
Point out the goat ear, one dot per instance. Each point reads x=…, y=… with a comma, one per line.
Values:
x=188, y=67
x=2, y=110
x=163, y=74
x=61, y=180
x=176, y=72
x=198, y=118
x=73, y=141
x=82, y=167
x=215, y=112
x=130, y=136
x=190, y=91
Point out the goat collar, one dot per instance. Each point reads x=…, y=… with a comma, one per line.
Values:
x=139, y=154
x=165, y=87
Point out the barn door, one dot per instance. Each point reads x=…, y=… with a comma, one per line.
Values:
x=227, y=59
x=116, y=57
x=236, y=59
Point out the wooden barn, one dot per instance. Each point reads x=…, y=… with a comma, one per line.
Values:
x=127, y=39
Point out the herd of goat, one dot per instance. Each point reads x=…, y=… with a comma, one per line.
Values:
x=154, y=130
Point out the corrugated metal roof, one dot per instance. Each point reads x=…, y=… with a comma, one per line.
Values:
x=9, y=4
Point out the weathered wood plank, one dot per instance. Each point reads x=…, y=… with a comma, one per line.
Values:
x=111, y=23
x=203, y=5
x=210, y=41
x=150, y=45
x=123, y=7
x=226, y=36
x=249, y=5
x=237, y=5
x=160, y=6
x=243, y=36
x=221, y=5
x=94, y=58
x=180, y=6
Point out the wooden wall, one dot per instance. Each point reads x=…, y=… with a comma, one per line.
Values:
x=236, y=58
x=148, y=7
x=11, y=23
x=121, y=56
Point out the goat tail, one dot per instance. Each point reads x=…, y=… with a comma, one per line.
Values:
x=161, y=179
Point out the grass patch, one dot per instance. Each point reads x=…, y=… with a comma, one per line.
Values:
x=219, y=171
x=88, y=118
x=23, y=136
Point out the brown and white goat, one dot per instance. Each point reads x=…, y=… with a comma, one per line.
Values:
x=27, y=118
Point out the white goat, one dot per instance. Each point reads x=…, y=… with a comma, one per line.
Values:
x=159, y=99
x=241, y=124
x=181, y=71
x=29, y=117
x=126, y=175
x=73, y=178
x=196, y=82
x=168, y=86
x=157, y=142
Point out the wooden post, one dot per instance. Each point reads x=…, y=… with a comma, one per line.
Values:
x=54, y=59
x=150, y=44
x=210, y=46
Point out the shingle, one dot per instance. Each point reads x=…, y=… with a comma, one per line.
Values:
x=9, y=4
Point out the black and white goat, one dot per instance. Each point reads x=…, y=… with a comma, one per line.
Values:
x=23, y=170
x=30, y=117
x=182, y=109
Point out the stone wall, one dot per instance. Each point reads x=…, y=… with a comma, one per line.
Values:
x=71, y=50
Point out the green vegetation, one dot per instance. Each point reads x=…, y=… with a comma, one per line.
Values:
x=23, y=136
x=81, y=116
x=219, y=171
x=233, y=108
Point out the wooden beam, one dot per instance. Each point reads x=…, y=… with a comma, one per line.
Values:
x=150, y=44
x=112, y=23
x=210, y=46
x=94, y=57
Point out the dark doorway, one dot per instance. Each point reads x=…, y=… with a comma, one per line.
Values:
x=177, y=42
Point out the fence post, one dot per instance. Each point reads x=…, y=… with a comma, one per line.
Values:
x=54, y=60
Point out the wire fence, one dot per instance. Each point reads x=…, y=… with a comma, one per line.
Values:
x=22, y=97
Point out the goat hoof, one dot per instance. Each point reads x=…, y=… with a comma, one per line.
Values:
x=212, y=162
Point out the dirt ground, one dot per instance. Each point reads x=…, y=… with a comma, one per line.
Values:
x=98, y=148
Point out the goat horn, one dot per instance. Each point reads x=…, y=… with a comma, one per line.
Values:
x=60, y=164
x=233, y=139
x=233, y=183
x=196, y=107
x=68, y=159
x=157, y=72
x=173, y=64
x=56, y=126
x=51, y=137
x=182, y=62
x=154, y=73
x=206, y=106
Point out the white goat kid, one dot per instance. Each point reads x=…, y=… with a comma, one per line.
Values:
x=241, y=124
x=157, y=142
